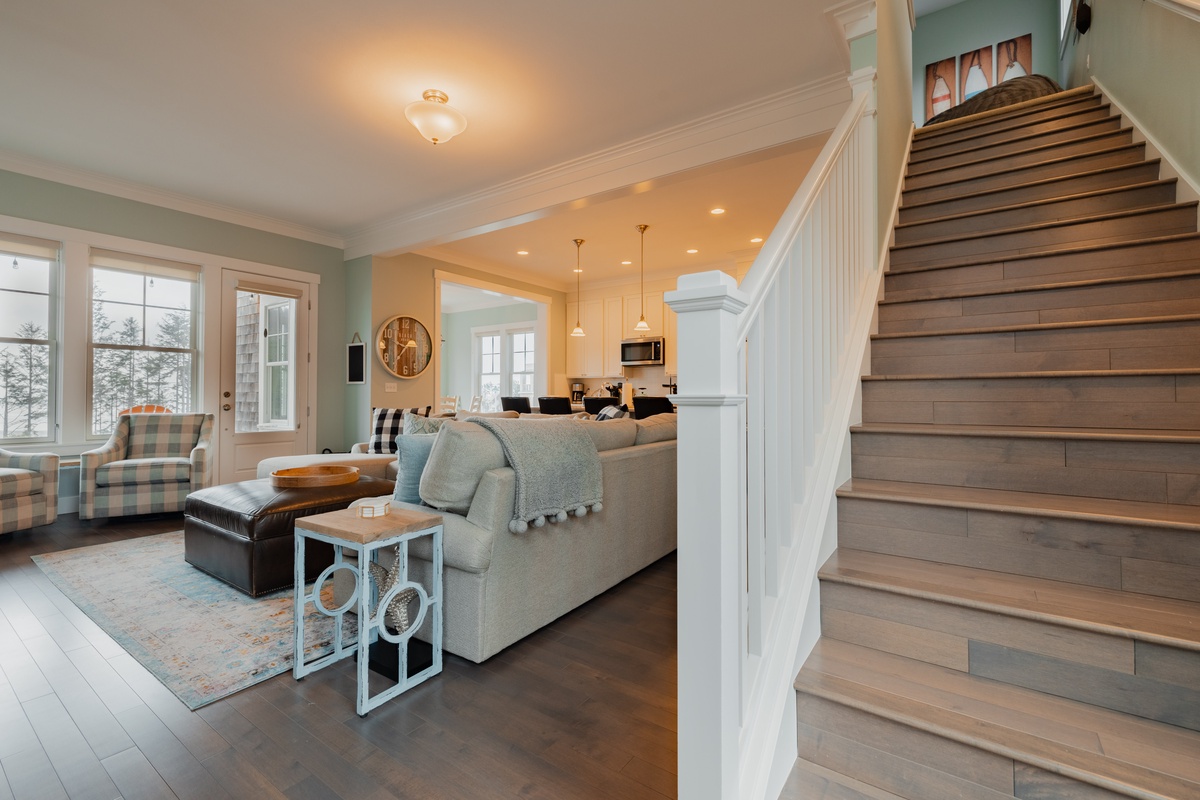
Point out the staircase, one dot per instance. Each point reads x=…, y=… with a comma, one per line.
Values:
x=1014, y=607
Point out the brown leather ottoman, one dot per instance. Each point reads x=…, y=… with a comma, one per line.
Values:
x=243, y=533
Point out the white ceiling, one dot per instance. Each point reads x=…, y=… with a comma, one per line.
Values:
x=293, y=112
x=456, y=298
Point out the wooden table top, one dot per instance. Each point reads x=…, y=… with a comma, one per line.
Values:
x=346, y=524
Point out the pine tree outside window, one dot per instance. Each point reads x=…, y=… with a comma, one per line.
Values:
x=142, y=337
x=28, y=348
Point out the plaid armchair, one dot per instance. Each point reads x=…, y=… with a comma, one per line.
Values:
x=28, y=490
x=149, y=465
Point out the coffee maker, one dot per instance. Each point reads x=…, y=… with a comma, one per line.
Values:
x=576, y=392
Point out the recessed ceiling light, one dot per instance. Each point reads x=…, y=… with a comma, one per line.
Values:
x=756, y=240
x=577, y=269
x=522, y=252
x=693, y=252
x=717, y=211
x=626, y=263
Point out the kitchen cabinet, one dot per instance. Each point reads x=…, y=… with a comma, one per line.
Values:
x=585, y=354
x=653, y=304
x=614, y=321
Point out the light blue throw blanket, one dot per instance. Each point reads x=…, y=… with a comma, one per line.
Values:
x=557, y=466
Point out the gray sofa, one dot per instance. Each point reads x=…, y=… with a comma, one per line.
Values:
x=499, y=586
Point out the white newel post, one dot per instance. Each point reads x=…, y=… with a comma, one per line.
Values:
x=709, y=589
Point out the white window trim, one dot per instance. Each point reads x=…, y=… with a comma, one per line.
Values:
x=71, y=364
x=506, y=373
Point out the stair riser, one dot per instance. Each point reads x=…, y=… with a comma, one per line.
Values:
x=1008, y=176
x=1153, y=472
x=1143, y=402
x=1107, y=555
x=1108, y=671
x=1159, y=222
x=896, y=758
x=1158, y=194
x=1151, y=298
x=1012, y=129
x=1045, y=190
x=1165, y=345
x=1000, y=275
x=1013, y=145
x=1014, y=161
x=924, y=138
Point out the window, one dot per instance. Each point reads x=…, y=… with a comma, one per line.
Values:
x=28, y=303
x=505, y=360
x=142, y=337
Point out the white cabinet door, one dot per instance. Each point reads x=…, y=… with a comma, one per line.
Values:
x=614, y=322
x=652, y=302
x=585, y=353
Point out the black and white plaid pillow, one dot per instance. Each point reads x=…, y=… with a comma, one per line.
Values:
x=612, y=412
x=387, y=424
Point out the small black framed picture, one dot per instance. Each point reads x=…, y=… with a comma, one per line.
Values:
x=356, y=362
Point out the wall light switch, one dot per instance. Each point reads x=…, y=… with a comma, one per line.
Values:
x=389, y=387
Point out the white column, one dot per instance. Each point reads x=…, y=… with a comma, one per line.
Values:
x=709, y=593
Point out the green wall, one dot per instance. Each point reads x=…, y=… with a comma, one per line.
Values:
x=357, y=414
x=58, y=204
x=972, y=24
x=1148, y=58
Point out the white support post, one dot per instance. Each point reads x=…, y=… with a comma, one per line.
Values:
x=709, y=588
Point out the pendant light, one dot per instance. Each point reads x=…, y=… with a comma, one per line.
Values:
x=578, y=295
x=642, y=327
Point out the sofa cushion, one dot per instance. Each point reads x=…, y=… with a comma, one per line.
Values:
x=417, y=425
x=461, y=415
x=19, y=483
x=163, y=435
x=144, y=470
x=462, y=453
x=658, y=428
x=611, y=434
x=411, y=454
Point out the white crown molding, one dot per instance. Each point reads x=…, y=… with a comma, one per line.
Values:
x=105, y=184
x=851, y=19
x=1187, y=8
x=756, y=125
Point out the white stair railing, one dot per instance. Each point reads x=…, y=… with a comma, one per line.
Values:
x=769, y=373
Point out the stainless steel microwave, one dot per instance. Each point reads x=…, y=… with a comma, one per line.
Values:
x=638, y=352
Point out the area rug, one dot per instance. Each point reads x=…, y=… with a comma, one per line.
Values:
x=202, y=638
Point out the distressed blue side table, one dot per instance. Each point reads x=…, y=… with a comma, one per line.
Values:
x=366, y=537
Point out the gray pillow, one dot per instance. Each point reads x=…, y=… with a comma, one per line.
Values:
x=611, y=434
x=411, y=454
x=658, y=428
x=462, y=453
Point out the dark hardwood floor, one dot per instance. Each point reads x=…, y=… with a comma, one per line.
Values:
x=585, y=708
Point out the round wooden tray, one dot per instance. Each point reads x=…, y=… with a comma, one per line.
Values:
x=299, y=477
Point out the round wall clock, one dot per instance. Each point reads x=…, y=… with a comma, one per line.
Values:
x=404, y=346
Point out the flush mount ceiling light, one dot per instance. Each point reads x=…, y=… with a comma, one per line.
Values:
x=717, y=211
x=642, y=326
x=578, y=295
x=435, y=120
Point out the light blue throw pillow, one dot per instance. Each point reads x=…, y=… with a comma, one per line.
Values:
x=411, y=453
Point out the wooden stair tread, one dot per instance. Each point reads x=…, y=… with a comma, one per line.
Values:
x=967, y=290
x=1117, y=512
x=997, y=376
x=1041, y=326
x=1042, y=115
x=1159, y=620
x=1043, y=182
x=1029, y=432
x=1016, y=109
x=1049, y=201
x=808, y=781
x=1058, y=223
x=1130, y=756
x=1053, y=162
x=1000, y=158
x=1089, y=248
x=926, y=155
